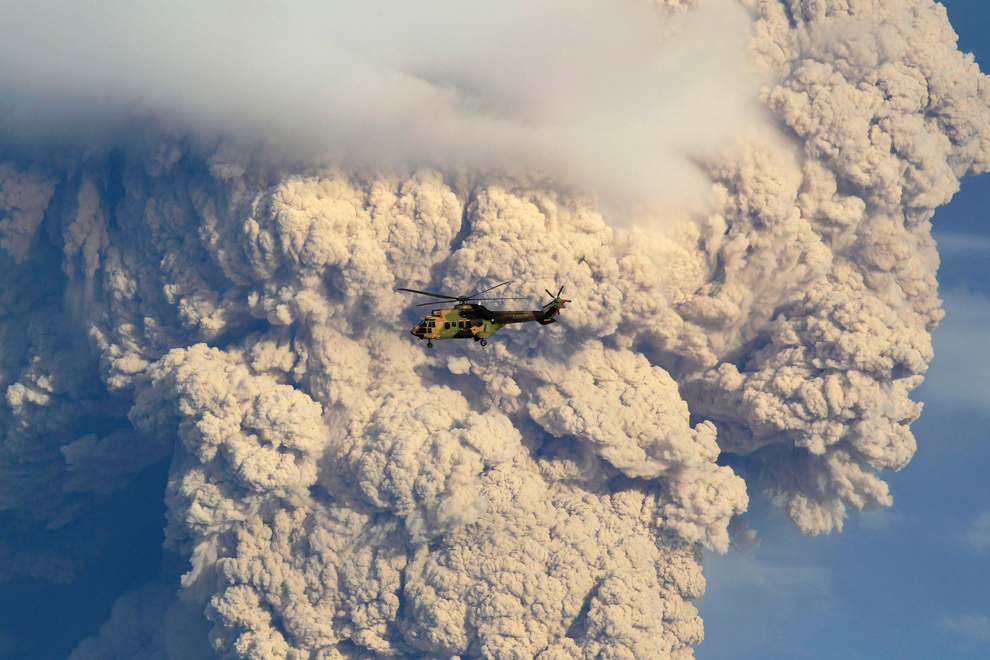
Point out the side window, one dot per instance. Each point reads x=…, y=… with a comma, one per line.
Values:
x=446, y=326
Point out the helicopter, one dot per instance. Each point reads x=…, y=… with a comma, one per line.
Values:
x=469, y=320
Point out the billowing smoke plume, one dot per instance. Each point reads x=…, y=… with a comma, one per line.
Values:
x=340, y=492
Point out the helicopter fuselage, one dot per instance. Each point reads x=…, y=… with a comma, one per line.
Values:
x=476, y=321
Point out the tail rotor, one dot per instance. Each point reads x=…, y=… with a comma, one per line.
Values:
x=556, y=299
x=552, y=308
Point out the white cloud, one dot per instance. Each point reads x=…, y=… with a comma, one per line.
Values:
x=959, y=376
x=585, y=87
x=10, y=644
x=783, y=581
x=781, y=594
x=880, y=520
x=976, y=625
x=953, y=244
x=978, y=534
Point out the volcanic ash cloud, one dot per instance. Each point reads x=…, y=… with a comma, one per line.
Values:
x=341, y=492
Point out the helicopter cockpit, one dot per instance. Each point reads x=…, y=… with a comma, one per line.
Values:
x=428, y=327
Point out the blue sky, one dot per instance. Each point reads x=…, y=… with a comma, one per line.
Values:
x=913, y=581
x=42, y=620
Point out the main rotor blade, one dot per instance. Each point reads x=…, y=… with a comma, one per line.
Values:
x=466, y=302
x=427, y=293
x=512, y=298
x=475, y=295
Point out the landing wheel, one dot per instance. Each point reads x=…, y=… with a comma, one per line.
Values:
x=484, y=343
x=429, y=344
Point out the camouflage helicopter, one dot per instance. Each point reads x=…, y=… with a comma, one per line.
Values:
x=469, y=320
